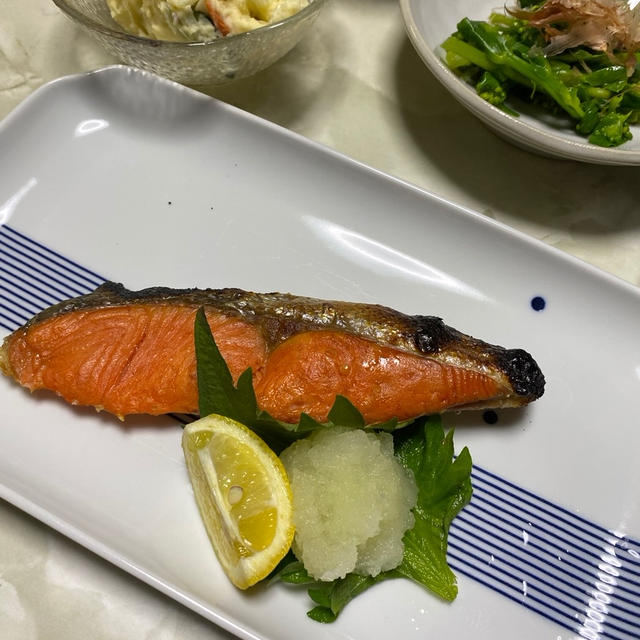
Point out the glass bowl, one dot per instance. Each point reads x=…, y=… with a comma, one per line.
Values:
x=194, y=63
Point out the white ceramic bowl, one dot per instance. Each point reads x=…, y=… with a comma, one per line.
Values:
x=430, y=22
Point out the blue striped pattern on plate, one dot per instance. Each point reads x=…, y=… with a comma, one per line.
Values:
x=33, y=277
x=576, y=573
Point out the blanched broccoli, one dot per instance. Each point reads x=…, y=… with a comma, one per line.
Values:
x=490, y=89
x=503, y=58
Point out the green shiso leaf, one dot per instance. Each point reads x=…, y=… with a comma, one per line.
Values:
x=214, y=379
x=330, y=597
x=321, y=595
x=216, y=391
x=322, y=614
x=444, y=482
x=217, y=394
x=345, y=414
x=444, y=488
x=291, y=571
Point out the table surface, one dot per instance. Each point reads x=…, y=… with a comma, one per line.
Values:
x=356, y=85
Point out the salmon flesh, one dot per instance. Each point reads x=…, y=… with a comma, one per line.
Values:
x=131, y=352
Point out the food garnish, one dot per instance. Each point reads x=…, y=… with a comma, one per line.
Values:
x=574, y=58
x=352, y=501
x=444, y=488
x=442, y=481
x=243, y=495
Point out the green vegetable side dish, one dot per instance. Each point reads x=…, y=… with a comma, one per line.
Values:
x=515, y=55
x=443, y=481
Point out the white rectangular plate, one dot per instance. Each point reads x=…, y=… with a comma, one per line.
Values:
x=145, y=182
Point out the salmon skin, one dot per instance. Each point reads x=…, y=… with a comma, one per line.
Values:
x=131, y=352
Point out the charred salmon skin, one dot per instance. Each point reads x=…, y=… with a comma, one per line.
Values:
x=131, y=352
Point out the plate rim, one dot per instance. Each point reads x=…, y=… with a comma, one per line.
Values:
x=90, y=543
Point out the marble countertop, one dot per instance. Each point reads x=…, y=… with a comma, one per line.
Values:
x=356, y=85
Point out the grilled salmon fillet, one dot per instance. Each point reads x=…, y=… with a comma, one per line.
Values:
x=131, y=352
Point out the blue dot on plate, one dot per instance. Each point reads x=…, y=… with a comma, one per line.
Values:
x=490, y=416
x=538, y=303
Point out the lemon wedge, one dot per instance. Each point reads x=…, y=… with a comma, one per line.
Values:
x=243, y=495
